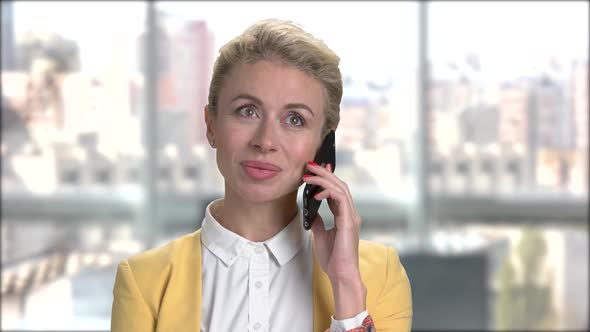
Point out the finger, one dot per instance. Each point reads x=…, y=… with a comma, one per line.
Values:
x=338, y=196
x=317, y=226
x=341, y=198
x=344, y=187
x=317, y=169
x=327, y=172
x=338, y=201
x=343, y=217
x=326, y=184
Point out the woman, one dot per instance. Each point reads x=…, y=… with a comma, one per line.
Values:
x=274, y=95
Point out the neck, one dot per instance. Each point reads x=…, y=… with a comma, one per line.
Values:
x=255, y=221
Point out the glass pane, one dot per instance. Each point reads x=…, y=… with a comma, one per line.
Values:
x=509, y=166
x=514, y=94
x=71, y=159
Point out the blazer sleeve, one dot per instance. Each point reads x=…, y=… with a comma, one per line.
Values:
x=394, y=308
x=130, y=311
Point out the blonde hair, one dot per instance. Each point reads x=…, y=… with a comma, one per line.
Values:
x=273, y=39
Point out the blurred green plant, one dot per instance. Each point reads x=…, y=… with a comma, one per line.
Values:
x=525, y=303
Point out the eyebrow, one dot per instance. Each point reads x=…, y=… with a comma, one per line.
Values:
x=259, y=102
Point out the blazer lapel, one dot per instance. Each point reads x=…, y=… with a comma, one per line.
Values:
x=181, y=307
x=323, y=301
x=199, y=283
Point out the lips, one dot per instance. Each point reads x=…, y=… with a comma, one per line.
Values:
x=260, y=170
x=261, y=165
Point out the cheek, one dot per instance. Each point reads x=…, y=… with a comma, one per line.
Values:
x=228, y=146
x=303, y=153
x=231, y=136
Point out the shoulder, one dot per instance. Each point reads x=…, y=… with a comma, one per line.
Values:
x=144, y=279
x=377, y=255
x=389, y=296
x=380, y=264
x=166, y=255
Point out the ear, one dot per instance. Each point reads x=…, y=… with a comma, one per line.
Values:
x=209, y=121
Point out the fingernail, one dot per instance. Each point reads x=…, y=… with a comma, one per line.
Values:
x=312, y=163
x=307, y=175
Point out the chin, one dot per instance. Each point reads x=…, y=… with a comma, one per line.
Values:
x=260, y=193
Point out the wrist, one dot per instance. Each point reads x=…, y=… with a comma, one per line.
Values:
x=349, y=297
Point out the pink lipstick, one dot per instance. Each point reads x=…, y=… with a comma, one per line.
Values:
x=260, y=170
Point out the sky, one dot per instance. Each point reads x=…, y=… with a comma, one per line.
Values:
x=371, y=38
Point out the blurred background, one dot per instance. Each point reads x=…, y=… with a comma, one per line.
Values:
x=464, y=140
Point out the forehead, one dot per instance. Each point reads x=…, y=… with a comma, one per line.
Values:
x=274, y=83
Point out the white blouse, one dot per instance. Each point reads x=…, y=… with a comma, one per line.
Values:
x=266, y=286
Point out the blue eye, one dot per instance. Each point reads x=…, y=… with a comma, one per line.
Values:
x=295, y=120
x=247, y=111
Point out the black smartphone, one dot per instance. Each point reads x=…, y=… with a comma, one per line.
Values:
x=326, y=155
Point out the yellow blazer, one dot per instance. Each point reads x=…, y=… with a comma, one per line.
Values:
x=160, y=289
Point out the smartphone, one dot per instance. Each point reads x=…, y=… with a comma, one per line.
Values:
x=325, y=155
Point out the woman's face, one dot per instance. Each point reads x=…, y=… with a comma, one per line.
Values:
x=268, y=125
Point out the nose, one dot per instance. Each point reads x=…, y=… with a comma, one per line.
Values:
x=264, y=138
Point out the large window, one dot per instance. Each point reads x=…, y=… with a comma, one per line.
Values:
x=463, y=138
x=72, y=159
x=508, y=160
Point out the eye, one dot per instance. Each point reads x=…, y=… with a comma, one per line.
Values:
x=295, y=120
x=247, y=111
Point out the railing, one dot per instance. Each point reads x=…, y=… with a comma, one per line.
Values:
x=29, y=273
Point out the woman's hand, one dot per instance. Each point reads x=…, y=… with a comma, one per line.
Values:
x=337, y=248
